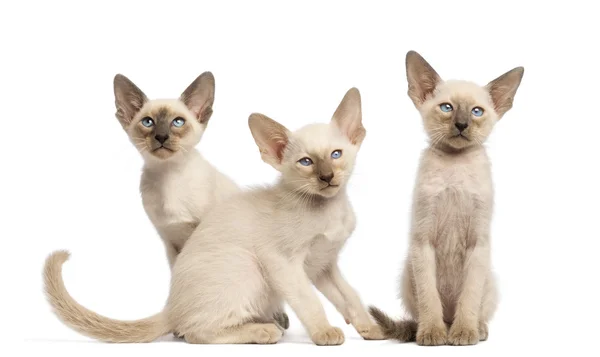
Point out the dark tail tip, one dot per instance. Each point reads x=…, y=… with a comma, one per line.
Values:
x=404, y=331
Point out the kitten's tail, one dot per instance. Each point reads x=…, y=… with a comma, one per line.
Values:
x=90, y=323
x=405, y=331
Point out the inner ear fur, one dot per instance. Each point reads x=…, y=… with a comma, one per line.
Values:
x=270, y=137
x=422, y=78
x=129, y=99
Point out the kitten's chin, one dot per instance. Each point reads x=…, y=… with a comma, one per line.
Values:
x=160, y=154
x=456, y=143
x=329, y=191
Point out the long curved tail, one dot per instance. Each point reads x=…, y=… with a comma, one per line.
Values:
x=405, y=331
x=90, y=323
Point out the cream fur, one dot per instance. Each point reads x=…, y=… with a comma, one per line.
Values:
x=257, y=249
x=447, y=280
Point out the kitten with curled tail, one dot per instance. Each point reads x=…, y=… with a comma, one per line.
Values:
x=257, y=249
x=447, y=280
x=178, y=185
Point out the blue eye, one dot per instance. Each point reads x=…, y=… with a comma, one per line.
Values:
x=178, y=122
x=477, y=111
x=147, y=122
x=336, y=154
x=305, y=161
x=446, y=107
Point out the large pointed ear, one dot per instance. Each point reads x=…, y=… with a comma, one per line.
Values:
x=503, y=89
x=422, y=78
x=270, y=136
x=348, y=117
x=200, y=96
x=129, y=99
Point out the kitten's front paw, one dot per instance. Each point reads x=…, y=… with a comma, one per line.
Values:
x=370, y=332
x=463, y=335
x=331, y=336
x=432, y=335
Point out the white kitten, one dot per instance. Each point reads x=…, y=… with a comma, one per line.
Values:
x=447, y=280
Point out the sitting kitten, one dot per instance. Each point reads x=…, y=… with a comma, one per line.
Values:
x=257, y=249
x=447, y=280
x=178, y=185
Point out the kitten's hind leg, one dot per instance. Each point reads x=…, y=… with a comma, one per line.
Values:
x=282, y=319
x=488, y=307
x=250, y=333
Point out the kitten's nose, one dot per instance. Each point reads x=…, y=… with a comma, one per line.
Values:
x=161, y=138
x=326, y=178
x=461, y=126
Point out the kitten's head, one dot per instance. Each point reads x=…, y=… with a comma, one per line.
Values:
x=317, y=159
x=163, y=129
x=458, y=114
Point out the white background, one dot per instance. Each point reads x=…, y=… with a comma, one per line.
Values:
x=70, y=176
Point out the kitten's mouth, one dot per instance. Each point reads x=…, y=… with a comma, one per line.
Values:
x=460, y=135
x=329, y=186
x=163, y=147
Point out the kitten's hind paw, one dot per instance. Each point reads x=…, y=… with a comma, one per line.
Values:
x=483, y=331
x=282, y=319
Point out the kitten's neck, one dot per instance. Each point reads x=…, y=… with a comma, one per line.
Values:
x=447, y=150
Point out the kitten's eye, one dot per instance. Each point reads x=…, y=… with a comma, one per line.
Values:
x=336, y=154
x=147, y=122
x=305, y=161
x=477, y=111
x=446, y=107
x=178, y=122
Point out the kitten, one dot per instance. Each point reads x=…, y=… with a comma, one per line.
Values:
x=258, y=248
x=178, y=185
x=447, y=280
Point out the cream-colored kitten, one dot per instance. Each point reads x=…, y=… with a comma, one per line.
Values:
x=257, y=249
x=447, y=280
x=178, y=185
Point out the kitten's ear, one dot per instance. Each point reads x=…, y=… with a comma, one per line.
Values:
x=200, y=96
x=270, y=136
x=129, y=99
x=503, y=89
x=422, y=78
x=348, y=117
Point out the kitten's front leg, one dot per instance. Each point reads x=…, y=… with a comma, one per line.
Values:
x=466, y=324
x=337, y=290
x=171, y=253
x=292, y=283
x=431, y=329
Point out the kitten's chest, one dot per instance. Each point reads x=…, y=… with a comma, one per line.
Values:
x=328, y=239
x=173, y=198
x=460, y=184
